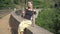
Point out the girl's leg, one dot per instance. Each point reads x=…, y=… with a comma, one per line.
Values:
x=22, y=32
x=23, y=25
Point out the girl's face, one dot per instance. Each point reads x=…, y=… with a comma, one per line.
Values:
x=30, y=4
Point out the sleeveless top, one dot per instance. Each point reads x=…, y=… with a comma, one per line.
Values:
x=28, y=14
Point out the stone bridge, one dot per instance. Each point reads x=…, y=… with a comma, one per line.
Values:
x=16, y=18
x=9, y=25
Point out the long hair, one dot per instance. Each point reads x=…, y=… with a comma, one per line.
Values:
x=31, y=3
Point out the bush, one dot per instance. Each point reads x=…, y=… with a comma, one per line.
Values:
x=6, y=4
x=47, y=19
x=42, y=3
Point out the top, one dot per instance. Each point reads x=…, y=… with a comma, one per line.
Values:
x=28, y=14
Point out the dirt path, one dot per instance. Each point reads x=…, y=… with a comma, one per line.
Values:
x=4, y=25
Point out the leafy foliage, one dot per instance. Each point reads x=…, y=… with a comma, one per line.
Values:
x=48, y=20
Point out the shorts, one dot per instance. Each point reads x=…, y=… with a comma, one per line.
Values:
x=24, y=24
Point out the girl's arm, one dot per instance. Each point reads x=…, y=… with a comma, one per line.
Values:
x=23, y=12
x=33, y=18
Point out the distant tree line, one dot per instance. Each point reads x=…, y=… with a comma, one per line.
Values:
x=8, y=3
x=37, y=3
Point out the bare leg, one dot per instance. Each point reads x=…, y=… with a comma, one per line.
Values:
x=22, y=32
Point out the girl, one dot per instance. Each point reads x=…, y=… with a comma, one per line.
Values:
x=27, y=14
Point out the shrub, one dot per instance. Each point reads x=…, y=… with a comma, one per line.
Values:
x=47, y=19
